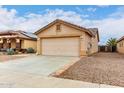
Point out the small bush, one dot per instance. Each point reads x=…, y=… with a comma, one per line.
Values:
x=30, y=50
x=10, y=51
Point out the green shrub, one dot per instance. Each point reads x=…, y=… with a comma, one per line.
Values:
x=10, y=51
x=30, y=50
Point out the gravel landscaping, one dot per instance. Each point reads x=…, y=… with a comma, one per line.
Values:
x=102, y=68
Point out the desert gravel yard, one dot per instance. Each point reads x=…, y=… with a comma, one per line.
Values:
x=102, y=68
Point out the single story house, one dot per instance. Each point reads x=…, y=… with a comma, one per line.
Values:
x=17, y=40
x=120, y=45
x=61, y=38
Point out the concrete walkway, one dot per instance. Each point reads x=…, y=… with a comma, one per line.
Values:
x=11, y=79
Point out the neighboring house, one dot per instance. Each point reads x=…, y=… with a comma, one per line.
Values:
x=62, y=38
x=17, y=40
x=120, y=45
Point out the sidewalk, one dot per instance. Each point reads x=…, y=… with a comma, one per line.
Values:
x=10, y=79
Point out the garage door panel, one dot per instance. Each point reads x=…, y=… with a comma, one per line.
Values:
x=61, y=46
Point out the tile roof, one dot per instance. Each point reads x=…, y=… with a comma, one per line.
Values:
x=19, y=33
x=93, y=30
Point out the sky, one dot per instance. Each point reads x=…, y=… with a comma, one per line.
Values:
x=108, y=19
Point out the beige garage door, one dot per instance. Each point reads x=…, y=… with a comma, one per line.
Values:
x=61, y=46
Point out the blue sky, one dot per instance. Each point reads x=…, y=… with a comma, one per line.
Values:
x=108, y=19
x=97, y=14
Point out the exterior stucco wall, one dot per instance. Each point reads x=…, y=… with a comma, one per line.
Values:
x=91, y=44
x=29, y=43
x=65, y=30
x=48, y=31
x=39, y=45
x=83, y=42
x=87, y=42
x=94, y=44
x=120, y=46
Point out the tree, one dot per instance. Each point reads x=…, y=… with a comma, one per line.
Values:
x=111, y=42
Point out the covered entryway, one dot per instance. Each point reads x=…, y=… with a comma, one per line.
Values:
x=61, y=46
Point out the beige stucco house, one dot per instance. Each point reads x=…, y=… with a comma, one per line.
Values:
x=120, y=45
x=17, y=40
x=61, y=38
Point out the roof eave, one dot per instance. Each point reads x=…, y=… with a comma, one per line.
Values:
x=119, y=40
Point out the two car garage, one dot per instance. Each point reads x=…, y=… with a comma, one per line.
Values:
x=68, y=46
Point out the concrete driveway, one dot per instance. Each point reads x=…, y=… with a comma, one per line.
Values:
x=33, y=71
x=42, y=65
